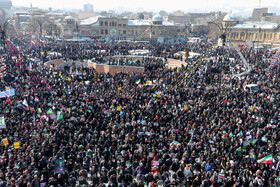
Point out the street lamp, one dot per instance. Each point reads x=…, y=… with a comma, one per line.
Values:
x=223, y=30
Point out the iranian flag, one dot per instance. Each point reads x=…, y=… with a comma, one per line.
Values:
x=266, y=160
x=233, y=77
x=128, y=164
x=41, y=41
x=17, y=166
x=138, y=81
x=32, y=42
x=221, y=175
x=272, y=97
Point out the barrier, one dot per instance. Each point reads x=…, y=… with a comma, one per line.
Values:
x=113, y=69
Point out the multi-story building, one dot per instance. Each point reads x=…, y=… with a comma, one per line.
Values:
x=251, y=31
x=6, y=4
x=88, y=8
x=115, y=28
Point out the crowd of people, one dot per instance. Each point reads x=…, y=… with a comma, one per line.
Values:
x=193, y=126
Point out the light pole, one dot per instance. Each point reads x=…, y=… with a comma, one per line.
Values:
x=223, y=30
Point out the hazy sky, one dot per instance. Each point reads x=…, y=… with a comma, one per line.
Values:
x=238, y=6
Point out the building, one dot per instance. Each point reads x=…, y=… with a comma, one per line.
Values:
x=258, y=13
x=88, y=8
x=115, y=28
x=6, y=4
x=267, y=33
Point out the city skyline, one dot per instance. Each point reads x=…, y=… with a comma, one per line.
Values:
x=239, y=7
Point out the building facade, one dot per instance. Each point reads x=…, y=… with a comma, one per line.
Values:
x=255, y=32
x=259, y=32
x=114, y=28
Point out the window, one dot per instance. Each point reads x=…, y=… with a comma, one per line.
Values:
x=101, y=23
x=124, y=25
x=110, y=24
x=136, y=33
x=102, y=31
x=106, y=23
x=120, y=25
x=242, y=36
x=124, y=31
x=66, y=31
x=106, y=31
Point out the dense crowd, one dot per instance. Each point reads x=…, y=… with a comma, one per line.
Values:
x=193, y=126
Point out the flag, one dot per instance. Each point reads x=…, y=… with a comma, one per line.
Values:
x=32, y=42
x=9, y=101
x=264, y=139
x=233, y=77
x=127, y=164
x=50, y=111
x=25, y=103
x=278, y=178
x=246, y=143
x=17, y=166
x=251, y=183
x=221, y=175
x=138, y=81
x=191, y=132
x=212, y=178
x=51, y=66
x=59, y=115
x=253, y=141
x=112, y=106
x=266, y=160
x=272, y=98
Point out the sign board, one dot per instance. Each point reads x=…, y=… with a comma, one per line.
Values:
x=2, y=123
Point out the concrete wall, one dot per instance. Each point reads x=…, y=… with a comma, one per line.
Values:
x=114, y=69
x=172, y=63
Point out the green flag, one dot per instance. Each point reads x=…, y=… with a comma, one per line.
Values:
x=59, y=115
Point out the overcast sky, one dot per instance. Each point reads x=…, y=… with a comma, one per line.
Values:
x=238, y=6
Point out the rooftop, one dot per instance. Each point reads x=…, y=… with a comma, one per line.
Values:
x=90, y=21
x=256, y=25
x=147, y=23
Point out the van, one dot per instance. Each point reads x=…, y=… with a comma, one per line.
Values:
x=252, y=88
